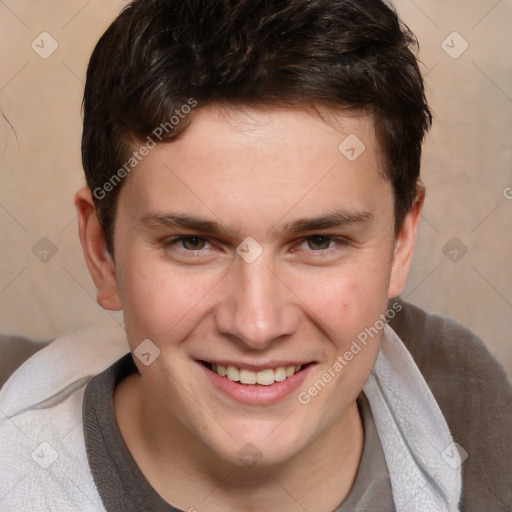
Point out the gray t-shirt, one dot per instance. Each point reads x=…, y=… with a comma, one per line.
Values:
x=123, y=487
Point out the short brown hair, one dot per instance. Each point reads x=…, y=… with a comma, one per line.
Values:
x=158, y=54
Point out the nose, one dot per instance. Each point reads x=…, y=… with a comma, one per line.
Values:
x=257, y=307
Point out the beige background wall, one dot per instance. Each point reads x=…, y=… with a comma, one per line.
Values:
x=45, y=289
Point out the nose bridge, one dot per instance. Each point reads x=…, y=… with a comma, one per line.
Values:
x=258, y=307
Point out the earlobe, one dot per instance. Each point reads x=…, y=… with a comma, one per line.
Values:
x=94, y=246
x=404, y=245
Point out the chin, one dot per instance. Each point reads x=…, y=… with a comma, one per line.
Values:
x=262, y=449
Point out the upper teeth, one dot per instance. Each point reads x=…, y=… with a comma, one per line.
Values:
x=263, y=377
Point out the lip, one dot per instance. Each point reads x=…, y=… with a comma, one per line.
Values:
x=256, y=394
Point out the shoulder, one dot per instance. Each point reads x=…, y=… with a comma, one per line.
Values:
x=66, y=364
x=451, y=357
x=43, y=463
x=475, y=396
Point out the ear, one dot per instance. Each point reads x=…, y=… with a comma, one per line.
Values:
x=404, y=245
x=100, y=264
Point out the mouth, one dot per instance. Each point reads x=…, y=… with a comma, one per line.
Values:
x=263, y=377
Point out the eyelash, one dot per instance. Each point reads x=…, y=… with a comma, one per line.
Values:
x=340, y=242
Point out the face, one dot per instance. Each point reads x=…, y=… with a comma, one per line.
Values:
x=254, y=243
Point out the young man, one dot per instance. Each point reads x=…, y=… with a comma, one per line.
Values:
x=252, y=205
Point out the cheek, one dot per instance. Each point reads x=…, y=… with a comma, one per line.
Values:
x=160, y=301
x=347, y=300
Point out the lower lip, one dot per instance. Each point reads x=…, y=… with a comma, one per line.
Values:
x=256, y=394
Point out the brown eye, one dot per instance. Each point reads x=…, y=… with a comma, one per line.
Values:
x=318, y=242
x=192, y=243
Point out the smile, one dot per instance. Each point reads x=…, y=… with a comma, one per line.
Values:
x=256, y=384
x=265, y=377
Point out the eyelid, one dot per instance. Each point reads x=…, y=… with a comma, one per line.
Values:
x=175, y=240
x=340, y=241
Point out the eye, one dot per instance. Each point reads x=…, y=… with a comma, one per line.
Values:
x=319, y=242
x=188, y=243
x=193, y=243
x=322, y=243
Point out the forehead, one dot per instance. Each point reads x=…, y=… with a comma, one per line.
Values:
x=263, y=162
x=283, y=135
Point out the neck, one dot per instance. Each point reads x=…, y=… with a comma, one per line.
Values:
x=317, y=478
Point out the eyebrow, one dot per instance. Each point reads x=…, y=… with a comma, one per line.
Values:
x=173, y=220
x=335, y=219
